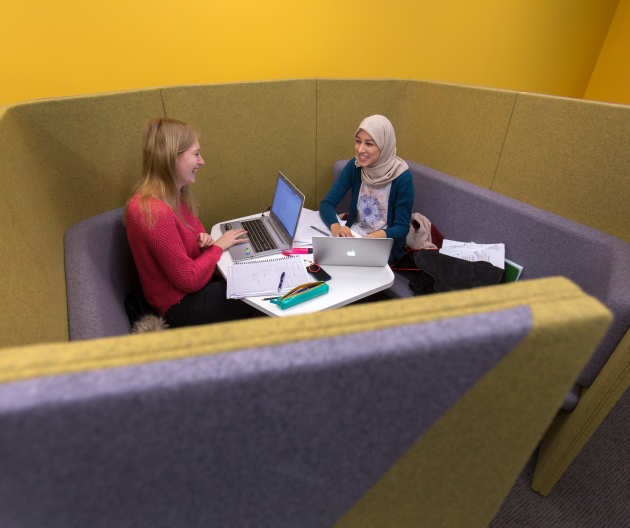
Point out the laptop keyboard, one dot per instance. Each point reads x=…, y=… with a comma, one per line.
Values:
x=258, y=236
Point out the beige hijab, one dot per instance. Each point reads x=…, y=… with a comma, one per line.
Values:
x=388, y=166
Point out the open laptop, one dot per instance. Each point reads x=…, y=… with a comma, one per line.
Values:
x=342, y=251
x=269, y=234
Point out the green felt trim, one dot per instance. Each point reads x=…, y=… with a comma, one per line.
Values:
x=59, y=358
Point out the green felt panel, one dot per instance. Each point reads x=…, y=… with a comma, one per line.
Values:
x=570, y=432
x=249, y=131
x=458, y=130
x=461, y=469
x=570, y=157
x=62, y=160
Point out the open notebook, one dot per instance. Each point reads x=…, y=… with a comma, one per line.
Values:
x=271, y=276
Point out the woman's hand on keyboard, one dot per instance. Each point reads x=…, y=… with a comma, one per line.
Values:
x=230, y=238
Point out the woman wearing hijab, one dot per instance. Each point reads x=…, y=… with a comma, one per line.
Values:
x=381, y=184
x=174, y=255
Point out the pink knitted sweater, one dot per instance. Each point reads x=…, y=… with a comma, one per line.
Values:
x=169, y=261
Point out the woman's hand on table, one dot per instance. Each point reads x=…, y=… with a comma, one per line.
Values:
x=338, y=230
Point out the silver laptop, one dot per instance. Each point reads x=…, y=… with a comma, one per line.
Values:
x=269, y=234
x=338, y=251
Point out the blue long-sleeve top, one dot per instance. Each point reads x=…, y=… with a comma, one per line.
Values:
x=398, y=207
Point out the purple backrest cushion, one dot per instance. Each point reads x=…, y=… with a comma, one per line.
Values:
x=100, y=273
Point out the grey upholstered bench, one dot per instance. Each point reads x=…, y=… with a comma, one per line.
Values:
x=545, y=243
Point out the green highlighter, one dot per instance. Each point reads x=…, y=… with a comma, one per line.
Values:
x=301, y=293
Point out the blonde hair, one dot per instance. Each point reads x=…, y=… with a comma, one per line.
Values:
x=163, y=140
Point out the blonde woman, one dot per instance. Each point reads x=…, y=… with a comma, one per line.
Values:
x=174, y=255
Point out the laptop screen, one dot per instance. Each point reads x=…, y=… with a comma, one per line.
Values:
x=287, y=205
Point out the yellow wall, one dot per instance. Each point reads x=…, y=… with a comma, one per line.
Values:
x=611, y=77
x=74, y=47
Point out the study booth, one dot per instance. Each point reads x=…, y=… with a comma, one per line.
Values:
x=320, y=417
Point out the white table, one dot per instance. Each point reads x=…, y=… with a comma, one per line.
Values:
x=347, y=284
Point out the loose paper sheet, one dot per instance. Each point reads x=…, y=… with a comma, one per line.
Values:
x=473, y=252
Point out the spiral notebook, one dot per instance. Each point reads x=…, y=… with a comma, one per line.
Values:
x=253, y=278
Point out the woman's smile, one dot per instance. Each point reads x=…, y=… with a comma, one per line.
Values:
x=365, y=149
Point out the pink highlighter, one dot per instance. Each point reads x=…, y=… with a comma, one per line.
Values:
x=297, y=251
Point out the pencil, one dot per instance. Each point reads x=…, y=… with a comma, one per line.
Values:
x=320, y=231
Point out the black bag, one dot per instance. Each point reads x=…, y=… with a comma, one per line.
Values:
x=429, y=271
x=451, y=273
x=420, y=282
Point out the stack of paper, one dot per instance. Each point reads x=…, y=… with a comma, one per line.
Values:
x=309, y=225
x=473, y=252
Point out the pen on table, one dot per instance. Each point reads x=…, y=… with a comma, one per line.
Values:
x=281, y=281
x=320, y=231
